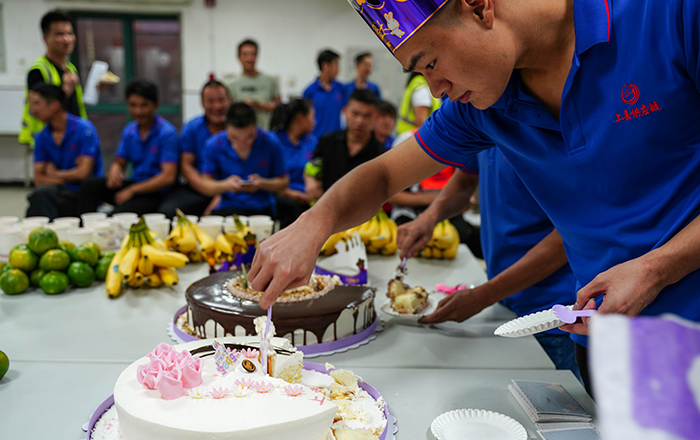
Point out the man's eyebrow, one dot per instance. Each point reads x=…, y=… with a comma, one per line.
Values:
x=414, y=61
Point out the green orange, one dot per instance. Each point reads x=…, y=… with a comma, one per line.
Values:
x=4, y=364
x=23, y=259
x=35, y=277
x=86, y=254
x=81, y=274
x=42, y=240
x=55, y=259
x=14, y=281
x=54, y=282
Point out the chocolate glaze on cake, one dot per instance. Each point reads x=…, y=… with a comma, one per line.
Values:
x=209, y=299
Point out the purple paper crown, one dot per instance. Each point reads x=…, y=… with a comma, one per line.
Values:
x=395, y=21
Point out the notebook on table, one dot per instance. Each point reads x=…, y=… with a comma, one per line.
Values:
x=547, y=402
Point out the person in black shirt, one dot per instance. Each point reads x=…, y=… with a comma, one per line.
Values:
x=341, y=151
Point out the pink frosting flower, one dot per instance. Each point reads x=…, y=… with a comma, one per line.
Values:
x=247, y=383
x=160, y=351
x=293, y=390
x=263, y=387
x=192, y=374
x=218, y=393
x=240, y=391
x=169, y=384
x=146, y=374
x=249, y=353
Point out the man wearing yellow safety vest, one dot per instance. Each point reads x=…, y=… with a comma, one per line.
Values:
x=53, y=68
x=416, y=105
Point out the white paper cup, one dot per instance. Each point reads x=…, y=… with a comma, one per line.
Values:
x=211, y=219
x=153, y=216
x=126, y=215
x=28, y=227
x=78, y=236
x=103, y=234
x=192, y=218
x=74, y=222
x=93, y=216
x=9, y=238
x=160, y=226
x=8, y=220
x=262, y=226
x=61, y=229
x=213, y=229
x=36, y=219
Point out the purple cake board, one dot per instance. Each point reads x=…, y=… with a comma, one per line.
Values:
x=104, y=406
x=306, y=349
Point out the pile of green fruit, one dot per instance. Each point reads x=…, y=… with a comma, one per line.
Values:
x=52, y=266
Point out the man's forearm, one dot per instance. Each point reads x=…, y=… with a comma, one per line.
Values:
x=193, y=177
x=275, y=184
x=678, y=257
x=155, y=183
x=43, y=179
x=453, y=198
x=413, y=199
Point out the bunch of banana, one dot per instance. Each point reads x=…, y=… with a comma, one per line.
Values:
x=444, y=242
x=229, y=244
x=378, y=234
x=328, y=248
x=189, y=239
x=143, y=260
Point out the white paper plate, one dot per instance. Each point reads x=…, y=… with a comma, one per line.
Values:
x=476, y=424
x=530, y=324
x=432, y=305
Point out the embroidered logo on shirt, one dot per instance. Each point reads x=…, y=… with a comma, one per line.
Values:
x=630, y=95
x=262, y=163
x=72, y=147
x=154, y=149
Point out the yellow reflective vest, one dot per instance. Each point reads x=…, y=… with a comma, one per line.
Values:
x=407, y=114
x=31, y=125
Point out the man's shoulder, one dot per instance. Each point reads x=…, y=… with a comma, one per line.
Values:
x=193, y=124
x=166, y=127
x=86, y=127
x=215, y=140
x=334, y=138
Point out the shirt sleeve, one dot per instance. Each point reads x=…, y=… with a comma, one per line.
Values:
x=278, y=166
x=308, y=94
x=451, y=135
x=40, y=154
x=209, y=164
x=189, y=139
x=691, y=39
x=170, y=148
x=89, y=142
x=471, y=166
x=123, y=147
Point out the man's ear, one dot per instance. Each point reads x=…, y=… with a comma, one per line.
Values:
x=483, y=9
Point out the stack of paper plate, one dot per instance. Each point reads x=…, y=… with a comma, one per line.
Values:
x=529, y=324
x=476, y=424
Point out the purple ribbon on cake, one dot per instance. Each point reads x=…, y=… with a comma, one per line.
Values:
x=395, y=21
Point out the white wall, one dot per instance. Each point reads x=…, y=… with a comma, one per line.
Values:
x=290, y=34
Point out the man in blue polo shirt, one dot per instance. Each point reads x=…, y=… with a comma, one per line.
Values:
x=190, y=198
x=245, y=165
x=364, y=64
x=327, y=94
x=66, y=151
x=525, y=259
x=152, y=147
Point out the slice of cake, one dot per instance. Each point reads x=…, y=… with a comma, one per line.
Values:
x=318, y=286
x=406, y=300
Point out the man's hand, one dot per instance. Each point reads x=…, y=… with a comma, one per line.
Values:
x=628, y=288
x=233, y=184
x=413, y=236
x=123, y=196
x=68, y=82
x=255, y=184
x=459, y=306
x=50, y=169
x=115, y=178
x=283, y=261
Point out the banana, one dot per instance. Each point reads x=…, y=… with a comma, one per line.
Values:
x=174, y=236
x=128, y=265
x=145, y=265
x=223, y=245
x=136, y=280
x=153, y=280
x=427, y=252
x=369, y=229
x=437, y=253
x=438, y=231
x=235, y=239
x=451, y=252
x=157, y=241
x=113, y=281
x=187, y=242
x=392, y=246
x=384, y=236
x=329, y=246
x=164, y=258
x=168, y=275
x=195, y=256
x=206, y=243
x=449, y=235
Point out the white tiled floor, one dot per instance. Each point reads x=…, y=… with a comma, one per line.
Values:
x=13, y=201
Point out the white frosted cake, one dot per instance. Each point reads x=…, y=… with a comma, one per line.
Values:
x=182, y=393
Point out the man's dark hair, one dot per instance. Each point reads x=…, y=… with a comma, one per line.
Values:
x=51, y=17
x=214, y=83
x=386, y=108
x=247, y=42
x=144, y=88
x=326, y=57
x=51, y=93
x=240, y=115
x=362, y=56
x=364, y=96
x=284, y=114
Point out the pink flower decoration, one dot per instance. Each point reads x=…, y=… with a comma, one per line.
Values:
x=192, y=374
x=293, y=390
x=160, y=351
x=169, y=383
x=247, y=383
x=146, y=374
x=233, y=352
x=249, y=353
x=219, y=393
x=263, y=387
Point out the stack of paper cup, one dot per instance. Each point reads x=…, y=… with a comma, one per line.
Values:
x=262, y=226
x=123, y=222
x=211, y=224
x=31, y=223
x=92, y=217
x=79, y=236
x=160, y=226
x=74, y=222
x=8, y=221
x=103, y=234
x=61, y=229
x=10, y=237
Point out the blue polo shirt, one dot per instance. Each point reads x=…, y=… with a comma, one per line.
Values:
x=162, y=145
x=512, y=223
x=296, y=156
x=194, y=136
x=619, y=173
x=351, y=87
x=328, y=105
x=266, y=159
x=80, y=139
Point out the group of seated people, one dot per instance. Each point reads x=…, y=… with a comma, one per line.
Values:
x=221, y=163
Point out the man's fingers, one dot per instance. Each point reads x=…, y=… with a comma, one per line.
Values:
x=587, y=293
x=439, y=314
x=577, y=329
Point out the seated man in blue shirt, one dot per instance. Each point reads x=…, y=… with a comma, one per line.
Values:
x=190, y=198
x=149, y=144
x=245, y=165
x=327, y=94
x=525, y=260
x=66, y=151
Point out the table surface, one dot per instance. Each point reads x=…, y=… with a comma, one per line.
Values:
x=66, y=352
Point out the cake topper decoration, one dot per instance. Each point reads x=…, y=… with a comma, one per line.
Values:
x=248, y=366
x=395, y=21
x=293, y=390
x=224, y=359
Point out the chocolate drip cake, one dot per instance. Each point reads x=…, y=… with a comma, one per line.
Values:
x=220, y=306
